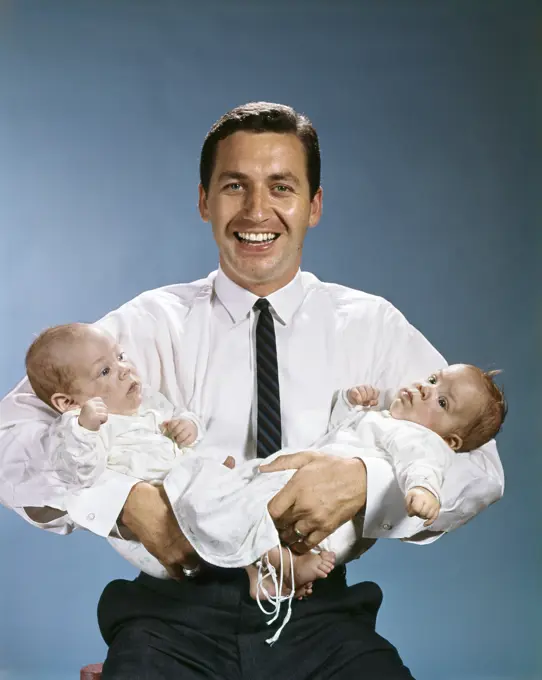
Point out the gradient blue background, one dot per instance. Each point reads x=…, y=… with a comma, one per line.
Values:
x=428, y=114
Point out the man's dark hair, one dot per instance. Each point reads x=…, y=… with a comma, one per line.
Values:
x=262, y=117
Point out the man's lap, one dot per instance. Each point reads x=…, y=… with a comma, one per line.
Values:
x=213, y=629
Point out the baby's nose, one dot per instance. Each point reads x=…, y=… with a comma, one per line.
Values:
x=423, y=390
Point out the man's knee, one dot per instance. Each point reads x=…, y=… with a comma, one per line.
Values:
x=111, y=604
x=380, y=664
x=129, y=656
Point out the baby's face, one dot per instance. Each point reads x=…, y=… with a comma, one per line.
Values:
x=445, y=403
x=102, y=370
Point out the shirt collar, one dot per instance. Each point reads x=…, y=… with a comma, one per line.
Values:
x=239, y=301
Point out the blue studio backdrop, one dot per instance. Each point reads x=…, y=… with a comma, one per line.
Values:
x=428, y=114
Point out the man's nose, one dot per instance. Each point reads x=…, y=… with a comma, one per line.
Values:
x=257, y=205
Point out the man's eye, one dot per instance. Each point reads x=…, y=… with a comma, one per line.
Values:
x=282, y=188
x=442, y=402
x=432, y=379
x=106, y=371
x=234, y=186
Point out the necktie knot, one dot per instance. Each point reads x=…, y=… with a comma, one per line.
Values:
x=262, y=305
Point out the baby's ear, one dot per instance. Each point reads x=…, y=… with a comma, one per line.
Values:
x=63, y=402
x=454, y=441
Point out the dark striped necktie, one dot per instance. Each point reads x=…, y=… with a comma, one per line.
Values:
x=269, y=438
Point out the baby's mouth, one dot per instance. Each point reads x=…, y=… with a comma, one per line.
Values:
x=406, y=395
x=133, y=387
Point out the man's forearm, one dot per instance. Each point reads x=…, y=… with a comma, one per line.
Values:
x=147, y=514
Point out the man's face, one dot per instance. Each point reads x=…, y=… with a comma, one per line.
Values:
x=445, y=403
x=260, y=208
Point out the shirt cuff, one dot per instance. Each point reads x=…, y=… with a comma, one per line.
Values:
x=97, y=508
x=49, y=519
x=423, y=537
x=385, y=513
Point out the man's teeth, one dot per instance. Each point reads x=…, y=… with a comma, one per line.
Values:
x=257, y=238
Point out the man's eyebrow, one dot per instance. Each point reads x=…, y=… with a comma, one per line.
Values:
x=284, y=176
x=275, y=177
x=231, y=174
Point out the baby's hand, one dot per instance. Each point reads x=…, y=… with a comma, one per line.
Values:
x=183, y=431
x=422, y=503
x=93, y=414
x=363, y=395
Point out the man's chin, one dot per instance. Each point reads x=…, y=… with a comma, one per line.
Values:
x=254, y=272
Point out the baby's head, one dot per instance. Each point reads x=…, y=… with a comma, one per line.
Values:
x=461, y=403
x=68, y=365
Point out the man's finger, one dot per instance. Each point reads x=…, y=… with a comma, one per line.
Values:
x=292, y=461
x=279, y=505
x=175, y=571
x=300, y=548
x=296, y=532
x=314, y=539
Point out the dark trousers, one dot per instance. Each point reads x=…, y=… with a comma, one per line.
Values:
x=209, y=627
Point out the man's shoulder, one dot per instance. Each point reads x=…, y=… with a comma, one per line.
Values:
x=174, y=296
x=349, y=301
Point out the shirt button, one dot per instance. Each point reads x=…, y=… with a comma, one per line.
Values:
x=91, y=516
x=386, y=526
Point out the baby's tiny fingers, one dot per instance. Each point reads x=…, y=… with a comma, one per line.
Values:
x=353, y=396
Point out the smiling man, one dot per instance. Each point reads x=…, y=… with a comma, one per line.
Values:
x=258, y=350
x=260, y=202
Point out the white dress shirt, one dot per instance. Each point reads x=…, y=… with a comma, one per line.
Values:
x=194, y=343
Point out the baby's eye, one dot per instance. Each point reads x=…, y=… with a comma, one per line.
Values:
x=432, y=379
x=122, y=356
x=106, y=371
x=442, y=402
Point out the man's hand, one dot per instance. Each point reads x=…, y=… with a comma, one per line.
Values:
x=325, y=492
x=363, y=395
x=422, y=503
x=148, y=515
x=182, y=430
x=93, y=414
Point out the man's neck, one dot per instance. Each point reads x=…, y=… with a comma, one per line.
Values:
x=261, y=290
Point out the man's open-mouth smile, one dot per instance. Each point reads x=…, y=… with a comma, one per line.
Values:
x=256, y=239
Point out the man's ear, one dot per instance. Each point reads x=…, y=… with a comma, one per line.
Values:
x=454, y=441
x=316, y=208
x=63, y=402
x=202, y=204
